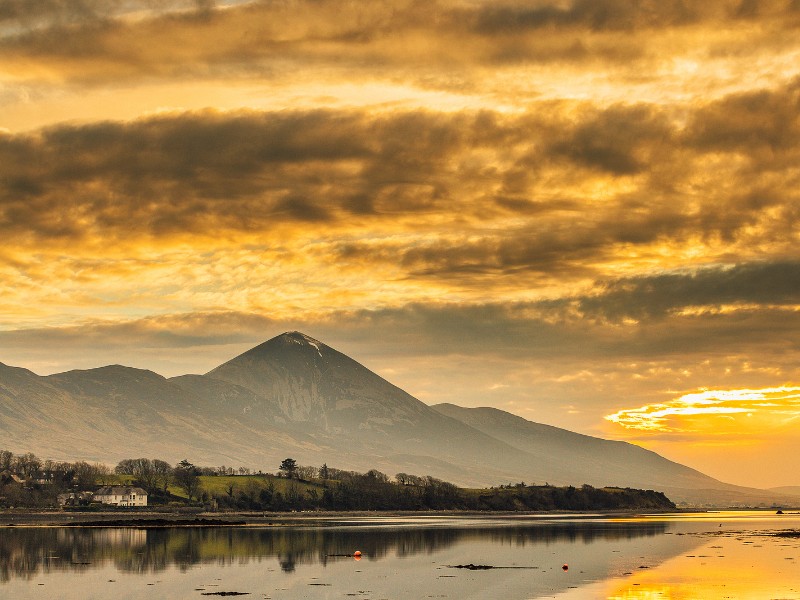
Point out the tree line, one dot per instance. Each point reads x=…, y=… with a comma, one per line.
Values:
x=26, y=480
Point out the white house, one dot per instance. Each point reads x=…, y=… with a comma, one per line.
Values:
x=121, y=495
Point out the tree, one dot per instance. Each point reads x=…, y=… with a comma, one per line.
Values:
x=292, y=494
x=323, y=471
x=144, y=473
x=187, y=477
x=289, y=467
x=306, y=473
x=84, y=474
x=6, y=460
x=27, y=465
x=377, y=476
x=162, y=472
x=102, y=473
x=124, y=467
x=408, y=479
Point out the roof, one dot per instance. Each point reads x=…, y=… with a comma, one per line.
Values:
x=120, y=490
x=9, y=476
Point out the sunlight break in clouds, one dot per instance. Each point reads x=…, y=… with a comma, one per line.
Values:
x=780, y=405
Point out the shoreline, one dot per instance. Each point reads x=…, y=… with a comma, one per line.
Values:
x=155, y=518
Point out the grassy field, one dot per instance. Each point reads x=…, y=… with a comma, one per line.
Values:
x=216, y=485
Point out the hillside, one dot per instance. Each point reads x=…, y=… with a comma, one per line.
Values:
x=577, y=457
x=295, y=396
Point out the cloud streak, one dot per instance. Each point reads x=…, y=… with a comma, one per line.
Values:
x=781, y=403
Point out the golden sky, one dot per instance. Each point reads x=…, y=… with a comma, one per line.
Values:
x=582, y=211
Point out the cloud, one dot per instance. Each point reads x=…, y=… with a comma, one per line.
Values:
x=249, y=171
x=765, y=284
x=96, y=41
x=692, y=412
x=20, y=15
x=622, y=15
x=509, y=331
x=569, y=189
x=759, y=124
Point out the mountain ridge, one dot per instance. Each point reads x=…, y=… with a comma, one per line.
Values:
x=295, y=396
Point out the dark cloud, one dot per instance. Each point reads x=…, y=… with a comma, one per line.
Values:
x=23, y=14
x=88, y=41
x=760, y=124
x=541, y=332
x=768, y=284
x=504, y=17
x=242, y=171
x=174, y=174
x=529, y=332
x=187, y=174
x=620, y=140
x=567, y=246
x=51, y=12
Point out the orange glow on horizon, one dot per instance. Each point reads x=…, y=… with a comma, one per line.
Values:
x=707, y=409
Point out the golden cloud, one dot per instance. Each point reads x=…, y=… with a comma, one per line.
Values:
x=705, y=411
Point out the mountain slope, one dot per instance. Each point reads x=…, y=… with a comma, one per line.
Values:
x=341, y=399
x=575, y=457
x=311, y=382
x=295, y=396
x=115, y=412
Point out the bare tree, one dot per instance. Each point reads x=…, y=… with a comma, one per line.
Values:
x=124, y=467
x=27, y=465
x=83, y=474
x=306, y=473
x=6, y=460
x=102, y=472
x=162, y=472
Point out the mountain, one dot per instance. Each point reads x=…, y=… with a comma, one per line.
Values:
x=793, y=490
x=343, y=403
x=295, y=396
x=311, y=382
x=577, y=457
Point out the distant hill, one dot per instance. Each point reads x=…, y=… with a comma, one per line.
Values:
x=578, y=457
x=295, y=396
x=792, y=490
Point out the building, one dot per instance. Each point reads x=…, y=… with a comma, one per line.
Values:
x=121, y=495
x=75, y=499
x=7, y=477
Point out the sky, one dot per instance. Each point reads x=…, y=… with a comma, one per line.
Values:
x=584, y=212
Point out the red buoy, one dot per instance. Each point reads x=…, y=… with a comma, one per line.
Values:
x=565, y=566
x=357, y=554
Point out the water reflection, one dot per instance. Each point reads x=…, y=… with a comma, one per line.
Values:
x=26, y=552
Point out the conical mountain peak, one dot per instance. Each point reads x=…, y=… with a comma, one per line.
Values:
x=281, y=343
x=297, y=337
x=310, y=381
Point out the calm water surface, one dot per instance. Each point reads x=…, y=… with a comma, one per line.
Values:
x=697, y=556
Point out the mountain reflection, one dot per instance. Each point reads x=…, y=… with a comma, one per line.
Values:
x=26, y=552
